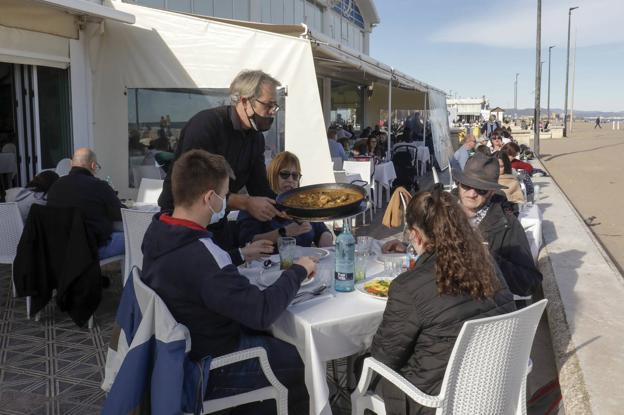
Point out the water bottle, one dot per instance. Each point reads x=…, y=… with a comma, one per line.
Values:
x=345, y=260
x=109, y=181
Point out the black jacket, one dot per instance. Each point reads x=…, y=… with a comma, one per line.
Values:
x=219, y=131
x=94, y=197
x=180, y=264
x=419, y=329
x=510, y=248
x=56, y=252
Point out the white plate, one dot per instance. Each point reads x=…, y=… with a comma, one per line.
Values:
x=360, y=287
x=307, y=281
x=311, y=251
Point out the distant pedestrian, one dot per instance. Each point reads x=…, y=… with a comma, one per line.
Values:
x=597, y=123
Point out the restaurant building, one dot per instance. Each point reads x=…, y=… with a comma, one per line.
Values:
x=118, y=76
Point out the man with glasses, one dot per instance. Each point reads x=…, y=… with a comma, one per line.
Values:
x=96, y=200
x=235, y=132
x=479, y=194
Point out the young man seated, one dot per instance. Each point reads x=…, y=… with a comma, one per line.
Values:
x=204, y=290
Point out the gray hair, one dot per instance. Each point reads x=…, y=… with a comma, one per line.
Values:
x=248, y=84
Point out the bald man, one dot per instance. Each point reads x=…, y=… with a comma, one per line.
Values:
x=95, y=198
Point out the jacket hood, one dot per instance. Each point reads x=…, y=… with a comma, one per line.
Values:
x=162, y=238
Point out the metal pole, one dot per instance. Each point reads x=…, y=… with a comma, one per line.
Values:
x=549, y=51
x=389, y=126
x=516, y=97
x=565, y=109
x=538, y=78
x=573, y=79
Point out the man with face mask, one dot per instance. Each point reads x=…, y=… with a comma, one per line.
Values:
x=235, y=132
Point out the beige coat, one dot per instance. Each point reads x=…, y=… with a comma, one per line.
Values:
x=514, y=191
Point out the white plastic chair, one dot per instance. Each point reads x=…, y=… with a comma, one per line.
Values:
x=365, y=170
x=150, y=190
x=135, y=223
x=147, y=172
x=11, y=227
x=436, y=179
x=63, y=167
x=275, y=391
x=338, y=162
x=341, y=177
x=486, y=372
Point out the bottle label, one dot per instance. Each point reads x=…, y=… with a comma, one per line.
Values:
x=344, y=276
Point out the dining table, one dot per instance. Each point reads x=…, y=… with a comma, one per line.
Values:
x=384, y=176
x=326, y=327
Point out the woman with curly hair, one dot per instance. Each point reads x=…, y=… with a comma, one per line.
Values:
x=455, y=279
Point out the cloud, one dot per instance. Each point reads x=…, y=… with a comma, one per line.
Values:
x=597, y=22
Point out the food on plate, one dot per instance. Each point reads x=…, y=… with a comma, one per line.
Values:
x=378, y=287
x=323, y=198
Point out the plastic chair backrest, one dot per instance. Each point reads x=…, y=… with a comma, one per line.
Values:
x=363, y=168
x=135, y=223
x=436, y=179
x=489, y=362
x=63, y=167
x=11, y=227
x=340, y=176
x=338, y=162
x=147, y=172
x=150, y=190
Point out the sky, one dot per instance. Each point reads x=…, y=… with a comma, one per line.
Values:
x=475, y=48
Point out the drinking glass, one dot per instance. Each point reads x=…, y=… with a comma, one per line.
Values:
x=361, y=260
x=364, y=244
x=286, y=247
x=388, y=267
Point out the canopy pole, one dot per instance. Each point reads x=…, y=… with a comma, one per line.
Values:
x=389, y=126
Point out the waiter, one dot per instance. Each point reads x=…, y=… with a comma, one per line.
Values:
x=235, y=132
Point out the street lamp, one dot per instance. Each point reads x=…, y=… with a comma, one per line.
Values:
x=565, y=110
x=538, y=80
x=549, y=50
x=516, y=97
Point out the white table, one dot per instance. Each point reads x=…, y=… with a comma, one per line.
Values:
x=531, y=220
x=383, y=176
x=332, y=326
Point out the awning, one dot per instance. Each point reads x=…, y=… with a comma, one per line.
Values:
x=56, y=17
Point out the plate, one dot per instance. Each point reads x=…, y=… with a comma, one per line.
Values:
x=361, y=287
x=310, y=251
x=307, y=281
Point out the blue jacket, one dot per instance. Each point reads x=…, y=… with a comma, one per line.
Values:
x=204, y=290
x=147, y=365
x=250, y=227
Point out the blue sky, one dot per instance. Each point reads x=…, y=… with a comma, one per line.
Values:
x=476, y=48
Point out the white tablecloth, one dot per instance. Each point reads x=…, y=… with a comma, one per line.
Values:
x=531, y=219
x=383, y=176
x=329, y=327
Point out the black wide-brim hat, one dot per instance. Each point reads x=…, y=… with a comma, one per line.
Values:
x=480, y=172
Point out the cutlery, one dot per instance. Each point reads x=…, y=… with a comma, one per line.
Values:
x=306, y=295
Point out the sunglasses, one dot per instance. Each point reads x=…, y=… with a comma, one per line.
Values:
x=480, y=192
x=285, y=174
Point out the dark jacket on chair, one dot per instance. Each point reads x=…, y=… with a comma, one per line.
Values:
x=56, y=252
x=94, y=197
x=419, y=329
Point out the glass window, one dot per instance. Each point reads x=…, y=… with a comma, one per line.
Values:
x=157, y=116
x=54, y=115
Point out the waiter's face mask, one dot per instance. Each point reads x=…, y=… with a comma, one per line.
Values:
x=257, y=121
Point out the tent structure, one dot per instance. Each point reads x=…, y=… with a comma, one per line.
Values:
x=171, y=50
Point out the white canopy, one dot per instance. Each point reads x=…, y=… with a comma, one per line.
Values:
x=170, y=50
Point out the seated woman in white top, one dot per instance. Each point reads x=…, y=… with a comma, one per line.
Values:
x=35, y=192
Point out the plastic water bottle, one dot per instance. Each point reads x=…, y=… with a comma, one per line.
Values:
x=345, y=260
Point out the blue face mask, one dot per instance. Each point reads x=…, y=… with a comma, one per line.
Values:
x=217, y=216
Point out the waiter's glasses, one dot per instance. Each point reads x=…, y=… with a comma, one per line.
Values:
x=271, y=106
x=285, y=174
x=480, y=192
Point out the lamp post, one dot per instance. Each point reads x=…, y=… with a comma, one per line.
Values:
x=549, y=50
x=516, y=97
x=565, y=110
x=538, y=79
